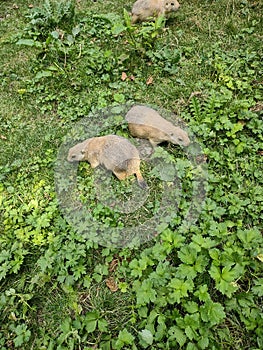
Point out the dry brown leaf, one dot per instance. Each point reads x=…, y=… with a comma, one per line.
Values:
x=195, y=94
x=123, y=76
x=113, y=265
x=149, y=81
x=112, y=284
x=257, y=108
x=2, y=137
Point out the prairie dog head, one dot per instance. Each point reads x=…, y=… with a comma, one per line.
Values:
x=179, y=137
x=77, y=153
x=171, y=5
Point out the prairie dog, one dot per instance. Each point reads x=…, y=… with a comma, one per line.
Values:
x=144, y=122
x=143, y=9
x=114, y=152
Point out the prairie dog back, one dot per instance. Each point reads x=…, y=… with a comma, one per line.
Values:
x=143, y=9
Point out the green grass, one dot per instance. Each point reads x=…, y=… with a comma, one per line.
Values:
x=194, y=287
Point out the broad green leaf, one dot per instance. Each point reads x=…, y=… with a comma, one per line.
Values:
x=55, y=34
x=212, y=312
x=191, y=346
x=186, y=271
x=118, y=28
x=230, y=274
x=27, y=42
x=227, y=288
x=191, y=307
x=190, y=332
x=75, y=31
x=91, y=319
x=187, y=255
x=146, y=336
x=91, y=325
x=179, y=289
x=215, y=272
x=258, y=287
x=177, y=334
x=202, y=293
x=43, y=74
x=161, y=330
x=203, y=242
x=102, y=325
x=145, y=293
x=250, y=236
x=203, y=342
x=125, y=337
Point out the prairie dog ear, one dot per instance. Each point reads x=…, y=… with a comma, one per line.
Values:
x=85, y=146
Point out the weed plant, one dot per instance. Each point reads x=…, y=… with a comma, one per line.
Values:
x=194, y=288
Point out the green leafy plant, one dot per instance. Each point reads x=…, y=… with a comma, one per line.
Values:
x=50, y=16
x=198, y=287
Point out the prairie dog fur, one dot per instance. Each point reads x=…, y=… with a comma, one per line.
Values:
x=143, y=9
x=114, y=152
x=144, y=122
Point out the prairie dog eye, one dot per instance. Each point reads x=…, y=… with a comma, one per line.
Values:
x=180, y=139
x=82, y=151
x=73, y=156
x=172, y=3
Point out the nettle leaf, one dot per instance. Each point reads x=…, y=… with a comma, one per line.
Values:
x=146, y=336
x=212, y=312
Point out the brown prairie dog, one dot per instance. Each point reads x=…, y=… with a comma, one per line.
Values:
x=114, y=152
x=145, y=122
x=143, y=9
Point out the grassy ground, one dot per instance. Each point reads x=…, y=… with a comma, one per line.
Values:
x=199, y=288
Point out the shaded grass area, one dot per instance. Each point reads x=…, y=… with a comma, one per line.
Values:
x=56, y=291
